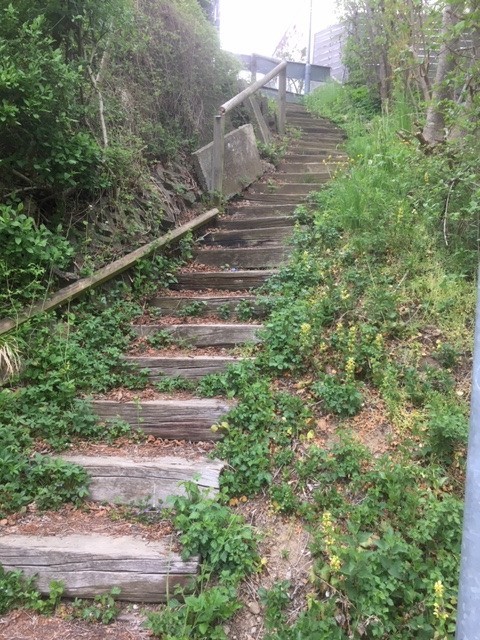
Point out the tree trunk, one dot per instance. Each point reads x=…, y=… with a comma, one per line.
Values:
x=434, y=129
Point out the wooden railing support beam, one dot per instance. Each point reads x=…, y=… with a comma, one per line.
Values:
x=218, y=153
x=282, y=100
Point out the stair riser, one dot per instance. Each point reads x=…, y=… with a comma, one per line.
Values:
x=248, y=237
x=119, y=480
x=273, y=199
x=257, y=258
x=302, y=189
x=251, y=222
x=200, y=335
x=91, y=565
x=172, y=306
x=297, y=158
x=189, y=368
x=187, y=420
x=315, y=179
x=314, y=151
x=262, y=210
x=318, y=143
x=227, y=281
x=308, y=168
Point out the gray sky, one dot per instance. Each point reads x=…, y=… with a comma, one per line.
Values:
x=256, y=26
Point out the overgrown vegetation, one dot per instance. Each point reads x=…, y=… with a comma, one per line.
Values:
x=63, y=359
x=351, y=417
x=98, y=104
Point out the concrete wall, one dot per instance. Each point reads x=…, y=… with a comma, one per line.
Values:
x=242, y=166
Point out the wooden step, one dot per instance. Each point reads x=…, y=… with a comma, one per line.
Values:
x=315, y=151
x=255, y=210
x=326, y=161
x=297, y=177
x=121, y=480
x=204, y=335
x=248, y=237
x=191, y=367
x=304, y=168
x=171, y=419
x=319, y=142
x=252, y=258
x=324, y=133
x=247, y=221
x=300, y=188
x=226, y=280
x=276, y=198
x=171, y=305
x=92, y=564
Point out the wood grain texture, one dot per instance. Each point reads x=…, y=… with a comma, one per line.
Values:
x=248, y=237
x=276, y=198
x=261, y=210
x=121, y=480
x=316, y=158
x=169, y=419
x=243, y=258
x=315, y=151
x=226, y=280
x=89, y=565
x=310, y=177
x=300, y=188
x=191, y=367
x=205, y=335
x=171, y=305
x=289, y=166
x=106, y=273
x=249, y=221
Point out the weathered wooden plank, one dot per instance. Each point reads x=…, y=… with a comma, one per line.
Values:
x=298, y=158
x=289, y=166
x=261, y=210
x=191, y=367
x=279, y=187
x=248, y=237
x=274, y=198
x=170, y=419
x=226, y=280
x=307, y=177
x=106, y=273
x=204, y=335
x=319, y=136
x=121, y=480
x=252, y=258
x=247, y=221
x=89, y=565
x=315, y=151
x=171, y=305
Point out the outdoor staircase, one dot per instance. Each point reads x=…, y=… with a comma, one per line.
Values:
x=229, y=263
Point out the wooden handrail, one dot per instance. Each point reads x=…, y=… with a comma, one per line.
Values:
x=253, y=88
x=219, y=121
x=106, y=273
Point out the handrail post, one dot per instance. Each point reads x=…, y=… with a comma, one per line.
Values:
x=468, y=592
x=218, y=153
x=253, y=68
x=282, y=100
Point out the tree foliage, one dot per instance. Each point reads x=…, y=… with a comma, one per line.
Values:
x=91, y=95
x=428, y=53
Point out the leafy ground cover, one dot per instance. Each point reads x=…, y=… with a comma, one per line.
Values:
x=351, y=419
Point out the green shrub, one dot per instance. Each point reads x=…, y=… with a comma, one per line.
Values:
x=338, y=396
x=226, y=544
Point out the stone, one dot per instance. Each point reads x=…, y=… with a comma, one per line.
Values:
x=254, y=607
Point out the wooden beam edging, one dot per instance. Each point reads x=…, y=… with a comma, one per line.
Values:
x=105, y=273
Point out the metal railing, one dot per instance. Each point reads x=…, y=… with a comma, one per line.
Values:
x=219, y=120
